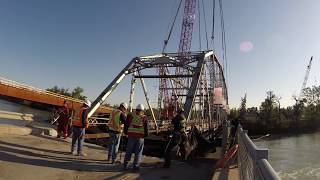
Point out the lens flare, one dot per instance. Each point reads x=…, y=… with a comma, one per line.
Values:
x=246, y=46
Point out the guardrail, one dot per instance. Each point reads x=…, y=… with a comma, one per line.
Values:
x=253, y=161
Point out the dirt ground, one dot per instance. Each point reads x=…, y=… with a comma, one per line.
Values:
x=43, y=157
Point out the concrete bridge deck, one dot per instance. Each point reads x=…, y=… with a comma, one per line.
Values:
x=44, y=157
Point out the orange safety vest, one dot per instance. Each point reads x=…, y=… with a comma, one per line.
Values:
x=77, y=117
x=114, y=123
x=136, y=125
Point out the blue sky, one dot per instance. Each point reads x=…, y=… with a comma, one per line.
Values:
x=86, y=43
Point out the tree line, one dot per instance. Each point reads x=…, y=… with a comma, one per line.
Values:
x=270, y=117
x=76, y=93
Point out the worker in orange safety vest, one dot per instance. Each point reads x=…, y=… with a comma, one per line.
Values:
x=79, y=124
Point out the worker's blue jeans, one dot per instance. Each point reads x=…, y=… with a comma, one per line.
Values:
x=134, y=145
x=77, y=138
x=114, y=143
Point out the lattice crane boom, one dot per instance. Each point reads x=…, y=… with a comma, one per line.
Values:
x=187, y=26
x=306, y=77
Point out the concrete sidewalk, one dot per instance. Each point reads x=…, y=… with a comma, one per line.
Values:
x=228, y=173
x=44, y=157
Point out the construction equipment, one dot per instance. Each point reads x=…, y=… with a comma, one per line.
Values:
x=192, y=80
x=306, y=77
x=166, y=94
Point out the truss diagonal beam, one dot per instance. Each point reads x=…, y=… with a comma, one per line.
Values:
x=105, y=93
x=193, y=88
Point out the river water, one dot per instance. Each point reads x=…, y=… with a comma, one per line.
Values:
x=294, y=157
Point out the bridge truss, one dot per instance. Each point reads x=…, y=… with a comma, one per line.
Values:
x=204, y=99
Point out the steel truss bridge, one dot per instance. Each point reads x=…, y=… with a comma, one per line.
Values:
x=204, y=97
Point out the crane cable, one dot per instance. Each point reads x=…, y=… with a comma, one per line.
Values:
x=213, y=18
x=199, y=19
x=171, y=29
x=205, y=24
x=224, y=46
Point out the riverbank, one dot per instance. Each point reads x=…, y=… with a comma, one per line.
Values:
x=303, y=127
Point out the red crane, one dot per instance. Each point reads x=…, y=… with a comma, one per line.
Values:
x=184, y=49
x=187, y=26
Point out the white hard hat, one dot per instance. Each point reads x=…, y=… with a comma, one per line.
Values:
x=125, y=105
x=140, y=107
x=87, y=102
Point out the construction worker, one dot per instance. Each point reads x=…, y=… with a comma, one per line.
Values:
x=136, y=127
x=179, y=137
x=63, y=121
x=115, y=124
x=79, y=123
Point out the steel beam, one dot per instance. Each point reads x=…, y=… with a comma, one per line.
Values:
x=148, y=102
x=194, y=85
x=164, y=76
x=105, y=93
x=133, y=83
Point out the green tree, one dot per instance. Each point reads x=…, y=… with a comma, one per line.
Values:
x=311, y=95
x=62, y=91
x=234, y=114
x=76, y=92
x=267, y=108
x=243, y=107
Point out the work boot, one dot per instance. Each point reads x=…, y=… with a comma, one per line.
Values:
x=136, y=168
x=82, y=154
x=125, y=167
x=73, y=153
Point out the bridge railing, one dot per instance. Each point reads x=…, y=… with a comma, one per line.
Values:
x=253, y=161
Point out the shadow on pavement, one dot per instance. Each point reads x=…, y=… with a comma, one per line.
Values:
x=13, y=153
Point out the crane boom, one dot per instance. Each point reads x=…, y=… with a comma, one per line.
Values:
x=306, y=77
x=187, y=26
x=170, y=101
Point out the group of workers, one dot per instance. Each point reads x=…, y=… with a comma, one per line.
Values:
x=79, y=122
x=133, y=125
x=136, y=129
